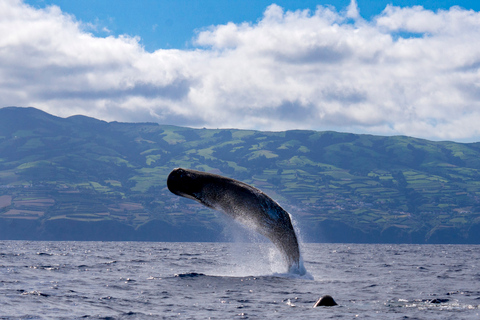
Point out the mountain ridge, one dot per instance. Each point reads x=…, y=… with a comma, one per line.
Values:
x=81, y=173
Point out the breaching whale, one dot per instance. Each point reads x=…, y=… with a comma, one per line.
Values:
x=243, y=203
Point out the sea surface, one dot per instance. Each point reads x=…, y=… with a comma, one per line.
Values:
x=148, y=280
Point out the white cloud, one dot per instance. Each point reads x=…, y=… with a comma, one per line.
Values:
x=408, y=71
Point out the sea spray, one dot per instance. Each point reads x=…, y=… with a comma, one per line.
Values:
x=252, y=254
x=249, y=252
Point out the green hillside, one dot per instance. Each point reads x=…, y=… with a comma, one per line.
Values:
x=80, y=178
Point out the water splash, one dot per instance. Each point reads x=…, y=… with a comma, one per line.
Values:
x=250, y=253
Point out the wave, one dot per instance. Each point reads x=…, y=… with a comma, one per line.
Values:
x=304, y=276
x=189, y=275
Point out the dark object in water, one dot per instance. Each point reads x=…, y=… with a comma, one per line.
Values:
x=325, y=301
x=438, y=300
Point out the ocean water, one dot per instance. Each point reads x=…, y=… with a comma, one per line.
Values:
x=145, y=280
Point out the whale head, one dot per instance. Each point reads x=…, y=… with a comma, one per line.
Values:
x=184, y=183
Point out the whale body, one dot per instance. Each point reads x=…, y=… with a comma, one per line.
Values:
x=243, y=203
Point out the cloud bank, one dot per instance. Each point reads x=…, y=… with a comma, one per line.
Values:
x=407, y=71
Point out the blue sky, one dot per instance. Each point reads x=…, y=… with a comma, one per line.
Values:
x=377, y=67
x=172, y=24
